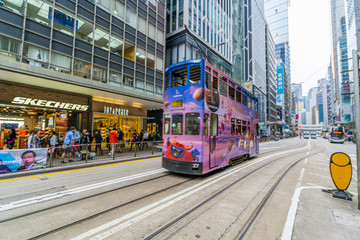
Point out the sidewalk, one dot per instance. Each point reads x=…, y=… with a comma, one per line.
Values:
x=320, y=216
x=79, y=164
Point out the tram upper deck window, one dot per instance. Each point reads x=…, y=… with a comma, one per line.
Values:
x=192, y=123
x=231, y=93
x=179, y=77
x=215, y=82
x=243, y=98
x=195, y=75
x=207, y=80
x=167, y=124
x=177, y=124
x=223, y=88
x=238, y=96
x=167, y=81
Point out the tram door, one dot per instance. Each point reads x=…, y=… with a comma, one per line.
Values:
x=212, y=140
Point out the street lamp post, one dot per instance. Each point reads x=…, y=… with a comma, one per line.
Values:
x=357, y=116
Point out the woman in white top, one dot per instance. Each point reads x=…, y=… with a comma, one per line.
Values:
x=31, y=134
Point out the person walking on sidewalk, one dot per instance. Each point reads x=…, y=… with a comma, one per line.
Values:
x=10, y=141
x=145, y=139
x=98, y=141
x=36, y=140
x=68, y=142
x=31, y=134
x=113, y=138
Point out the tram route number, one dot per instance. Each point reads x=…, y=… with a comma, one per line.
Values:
x=195, y=165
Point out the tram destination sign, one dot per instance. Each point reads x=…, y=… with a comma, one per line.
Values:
x=49, y=104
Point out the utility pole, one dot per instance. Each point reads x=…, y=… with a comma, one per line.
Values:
x=357, y=116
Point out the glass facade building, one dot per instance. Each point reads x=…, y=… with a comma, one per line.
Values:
x=109, y=41
x=200, y=29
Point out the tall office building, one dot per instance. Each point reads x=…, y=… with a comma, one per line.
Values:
x=254, y=53
x=204, y=29
x=81, y=63
x=297, y=88
x=276, y=12
x=270, y=83
x=342, y=86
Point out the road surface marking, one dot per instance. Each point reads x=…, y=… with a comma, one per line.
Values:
x=300, y=178
x=60, y=194
x=271, y=148
x=306, y=160
x=315, y=174
x=118, y=224
x=76, y=170
x=290, y=220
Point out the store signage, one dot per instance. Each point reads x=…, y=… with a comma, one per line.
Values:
x=49, y=104
x=12, y=118
x=116, y=111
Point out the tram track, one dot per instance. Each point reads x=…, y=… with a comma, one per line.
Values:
x=267, y=196
x=219, y=192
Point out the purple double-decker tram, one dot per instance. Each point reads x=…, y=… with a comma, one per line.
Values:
x=209, y=120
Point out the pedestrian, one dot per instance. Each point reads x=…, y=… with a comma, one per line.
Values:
x=107, y=140
x=10, y=141
x=77, y=137
x=121, y=136
x=54, y=142
x=98, y=141
x=145, y=138
x=68, y=143
x=113, y=138
x=133, y=139
x=86, y=140
x=31, y=134
x=36, y=140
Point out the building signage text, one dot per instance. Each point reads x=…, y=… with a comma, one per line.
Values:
x=116, y=111
x=49, y=104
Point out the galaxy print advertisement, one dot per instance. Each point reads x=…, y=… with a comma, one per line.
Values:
x=225, y=129
x=22, y=159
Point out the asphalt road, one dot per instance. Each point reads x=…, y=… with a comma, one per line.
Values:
x=135, y=200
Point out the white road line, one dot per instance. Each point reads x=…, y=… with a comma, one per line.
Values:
x=300, y=177
x=315, y=174
x=270, y=148
x=60, y=194
x=290, y=220
x=306, y=160
x=120, y=223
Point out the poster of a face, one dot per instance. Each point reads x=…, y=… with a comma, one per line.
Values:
x=22, y=159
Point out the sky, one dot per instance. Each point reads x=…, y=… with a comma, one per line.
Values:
x=310, y=41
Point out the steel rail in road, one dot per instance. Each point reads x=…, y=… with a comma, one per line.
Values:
x=258, y=209
x=117, y=206
x=172, y=223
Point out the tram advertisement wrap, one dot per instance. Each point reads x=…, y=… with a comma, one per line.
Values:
x=22, y=159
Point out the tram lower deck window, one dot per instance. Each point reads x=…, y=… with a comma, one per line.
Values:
x=192, y=123
x=177, y=124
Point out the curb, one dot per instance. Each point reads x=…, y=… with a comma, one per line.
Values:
x=71, y=167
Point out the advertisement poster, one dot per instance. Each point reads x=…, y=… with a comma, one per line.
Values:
x=22, y=159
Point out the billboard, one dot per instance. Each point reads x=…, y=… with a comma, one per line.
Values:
x=280, y=85
x=22, y=159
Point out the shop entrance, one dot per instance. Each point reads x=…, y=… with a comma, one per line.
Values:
x=23, y=119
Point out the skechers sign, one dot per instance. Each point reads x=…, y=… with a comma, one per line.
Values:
x=49, y=104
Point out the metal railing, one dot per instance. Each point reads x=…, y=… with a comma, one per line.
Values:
x=95, y=152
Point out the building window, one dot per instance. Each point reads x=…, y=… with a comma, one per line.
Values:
x=84, y=30
x=152, y=31
x=140, y=56
x=82, y=69
x=60, y=63
x=64, y=21
x=129, y=51
x=159, y=64
x=17, y=6
x=8, y=45
x=160, y=37
x=139, y=84
x=118, y=8
x=131, y=17
x=101, y=38
x=35, y=56
x=158, y=89
x=99, y=74
x=173, y=15
x=150, y=62
x=181, y=13
x=141, y=27
x=39, y=11
x=105, y=3
x=150, y=87
x=114, y=78
x=128, y=81
x=116, y=45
